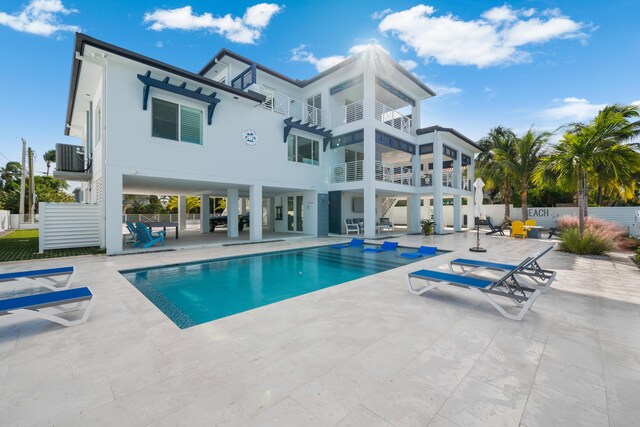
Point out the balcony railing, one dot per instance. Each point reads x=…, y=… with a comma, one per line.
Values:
x=346, y=172
x=346, y=114
x=291, y=107
x=449, y=180
x=387, y=172
x=388, y=115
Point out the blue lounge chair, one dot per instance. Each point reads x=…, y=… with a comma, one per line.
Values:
x=507, y=286
x=51, y=278
x=422, y=251
x=386, y=246
x=354, y=243
x=31, y=305
x=531, y=270
x=146, y=239
x=132, y=237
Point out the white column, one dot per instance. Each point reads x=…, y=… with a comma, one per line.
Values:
x=255, y=212
x=457, y=213
x=413, y=213
x=369, y=169
x=205, y=207
x=243, y=205
x=182, y=212
x=112, y=207
x=232, y=212
x=471, y=221
x=415, y=116
x=310, y=209
x=438, y=214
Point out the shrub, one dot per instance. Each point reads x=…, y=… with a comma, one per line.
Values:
x=589, y=244
x=599, y=235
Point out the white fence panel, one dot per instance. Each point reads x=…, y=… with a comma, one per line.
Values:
x=547, y=217
x=69, y=225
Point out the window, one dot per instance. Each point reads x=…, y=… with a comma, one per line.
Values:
x=176, y=122
x=303, y=150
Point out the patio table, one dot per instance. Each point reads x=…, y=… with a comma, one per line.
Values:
x=163, y=224
x=533, y=231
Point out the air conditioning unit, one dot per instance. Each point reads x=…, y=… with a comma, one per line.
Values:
x=69, y=158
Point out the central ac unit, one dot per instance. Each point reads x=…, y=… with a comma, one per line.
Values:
x=69, y=158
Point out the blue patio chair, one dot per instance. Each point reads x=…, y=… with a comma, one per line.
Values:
x=354, y=243
x=422, y=251
x=506, y=286
x=50, y=278
x=386, y=246
x=132, y=237
x=531, y=270
x=146, y=238
x=31, y=305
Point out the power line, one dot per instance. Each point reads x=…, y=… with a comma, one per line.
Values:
x=1, y=154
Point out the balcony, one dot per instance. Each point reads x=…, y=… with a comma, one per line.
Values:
x=290, y=107
x=449, y=180
x=393, y=118
x=385, y=172
x=346, y=114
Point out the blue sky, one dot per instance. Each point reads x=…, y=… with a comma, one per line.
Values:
x=517, y=64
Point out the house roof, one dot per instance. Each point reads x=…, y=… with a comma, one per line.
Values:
x=83, y=40
x=452, y=131
x=302, y=83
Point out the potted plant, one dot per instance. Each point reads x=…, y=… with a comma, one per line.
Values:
x=427, y=226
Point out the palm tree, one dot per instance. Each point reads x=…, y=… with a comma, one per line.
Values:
x=529, y=149
x=192, y=203
x=597, y=147
x=497, y=145
x=49, y=157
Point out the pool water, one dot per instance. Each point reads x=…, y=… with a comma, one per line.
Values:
x=195, y=293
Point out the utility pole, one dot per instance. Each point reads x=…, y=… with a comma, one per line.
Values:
x=23, y=178
x=32, y=187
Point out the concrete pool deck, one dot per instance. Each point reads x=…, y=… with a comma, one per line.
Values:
x=362, y=353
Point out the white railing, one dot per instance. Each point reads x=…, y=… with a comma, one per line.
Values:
x=346, y=114
x=388, y=172
x=158, y=217
x=450, y=179
x=346, y=172
x=392, y=117
x=291, y=107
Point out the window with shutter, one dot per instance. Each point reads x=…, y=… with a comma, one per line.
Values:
x=165, y=119
x=190, y=125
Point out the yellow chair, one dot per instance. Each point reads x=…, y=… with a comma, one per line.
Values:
x=517, y=229
x=530, y=222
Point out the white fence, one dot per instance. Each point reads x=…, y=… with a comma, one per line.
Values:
x=546, y=217
x=191, y=218
x=5, y=220
x=24, y=222
x=69, y=225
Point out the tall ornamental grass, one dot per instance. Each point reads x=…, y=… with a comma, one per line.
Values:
x=599, y=235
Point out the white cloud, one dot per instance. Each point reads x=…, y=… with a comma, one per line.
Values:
x=301, y=54
x=159, y=45
x=636, y=103
x=442, y=90
x=40, y=17
x=572, y=108
x=247, y=29
x=381, y=14
x=409, y=64
x=497, y=37
x=500, y=14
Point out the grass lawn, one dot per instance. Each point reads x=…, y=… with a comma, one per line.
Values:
x=23, y=244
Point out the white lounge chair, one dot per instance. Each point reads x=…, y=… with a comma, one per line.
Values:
x=351, y=227
x=531, y=270
x=31, y=306
x=507, y=286
x=52, y=278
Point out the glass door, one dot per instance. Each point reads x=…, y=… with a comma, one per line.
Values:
x=295, y=213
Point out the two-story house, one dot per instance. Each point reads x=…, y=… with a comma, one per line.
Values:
x=306, y=154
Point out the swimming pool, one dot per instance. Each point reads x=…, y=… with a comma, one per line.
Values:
x=195, y=293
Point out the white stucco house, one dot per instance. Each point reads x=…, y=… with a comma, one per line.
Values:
x=308, y=154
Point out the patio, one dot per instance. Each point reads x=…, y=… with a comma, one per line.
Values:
x=362, y=353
